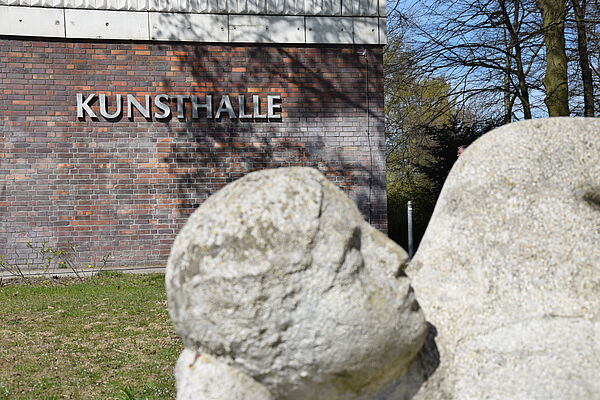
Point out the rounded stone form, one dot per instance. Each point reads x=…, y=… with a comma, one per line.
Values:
x=509, y=268
x=278, y=276
x=202, y=377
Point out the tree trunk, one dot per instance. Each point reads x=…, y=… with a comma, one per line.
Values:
x=557, y=89
x=584, y=58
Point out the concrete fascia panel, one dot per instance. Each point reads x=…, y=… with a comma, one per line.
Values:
x=214, y=6
x=368, y=8
x=188, y=6
x=329, y=30
x=281, y=7
x=189, y=27
x=266, y=29
x=31, y=21
x=126, y=5
x=137, y=5
x=247, y=6
x=382, y=31
x=161, y=5
x=174, y=5
x=366, y=30
x=323, y=7
x=42, y=3
x=285, y=7
x=96, y=24
x=354, y=8
x=360, y=8
x=382, y=8
x=219, y=28
x=347, y=7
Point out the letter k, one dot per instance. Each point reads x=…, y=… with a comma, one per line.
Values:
x=84, y=105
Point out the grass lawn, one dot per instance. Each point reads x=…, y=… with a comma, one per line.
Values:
x=108, y=337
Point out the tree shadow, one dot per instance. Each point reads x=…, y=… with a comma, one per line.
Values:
x=332, y=118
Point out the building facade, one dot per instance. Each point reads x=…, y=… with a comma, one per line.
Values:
x=119, y=118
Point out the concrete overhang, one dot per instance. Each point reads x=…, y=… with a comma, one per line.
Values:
x=234, y=21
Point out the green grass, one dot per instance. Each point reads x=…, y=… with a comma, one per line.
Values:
x=108, y=337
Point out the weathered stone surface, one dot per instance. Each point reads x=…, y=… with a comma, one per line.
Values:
x=279, y=277
x=509, y=268
x=202, y=377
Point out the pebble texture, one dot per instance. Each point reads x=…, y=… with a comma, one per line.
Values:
x=278, y=277
x=509, y=268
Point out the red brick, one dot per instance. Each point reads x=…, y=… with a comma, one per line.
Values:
x=129, y=186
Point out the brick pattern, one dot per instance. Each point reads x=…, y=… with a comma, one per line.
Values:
x=127, y=186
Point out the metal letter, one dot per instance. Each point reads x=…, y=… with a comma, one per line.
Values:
x=207, y=106
x=181, y=105
x=256, y=108
x=84, y=105
x=159, y=102
x=132, y=102
x=242, y=103
x=104, y=109
x=225, y=105
x=271, y=107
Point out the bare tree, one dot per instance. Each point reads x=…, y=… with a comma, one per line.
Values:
x=555, y=81
x=506, y=56
x=488, y=49
x=515, y=50
x=579, y=11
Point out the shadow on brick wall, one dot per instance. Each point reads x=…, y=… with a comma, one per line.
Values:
x=329, y=122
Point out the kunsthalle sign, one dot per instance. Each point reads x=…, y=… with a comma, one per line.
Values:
x=202, y=107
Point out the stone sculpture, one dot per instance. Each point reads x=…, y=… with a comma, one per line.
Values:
x=509, y=269
x=280, y=290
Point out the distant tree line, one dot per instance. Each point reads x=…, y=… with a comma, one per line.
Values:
x=456, y=69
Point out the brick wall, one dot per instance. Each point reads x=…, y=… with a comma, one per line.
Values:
x=126, y=186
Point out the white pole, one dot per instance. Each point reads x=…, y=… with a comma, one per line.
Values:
x=410, y=229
